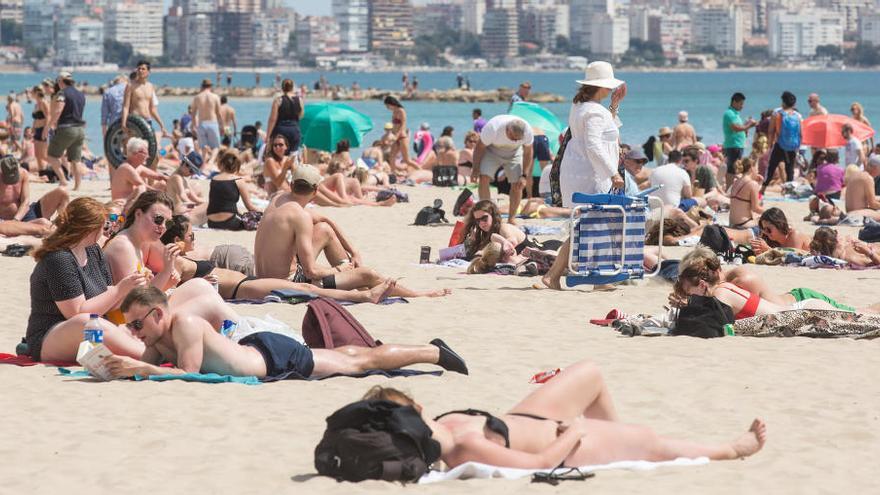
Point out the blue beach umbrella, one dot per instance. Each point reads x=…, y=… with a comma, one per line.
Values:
x=542, y=118
x=325, y=124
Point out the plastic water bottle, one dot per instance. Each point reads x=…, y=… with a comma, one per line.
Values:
x=92, y=331
x=728, y=330
x=228, y=328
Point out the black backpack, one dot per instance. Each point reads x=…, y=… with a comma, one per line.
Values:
x=376, y=439
x=445, y=175
x=715, y=238
x=703, y=317
x=431, y=214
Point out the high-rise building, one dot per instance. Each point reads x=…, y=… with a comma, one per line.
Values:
x=537, y=24
x=500, y=39
x=353, y=17
x=391, y=23
x=473, y=12
x=672, y=32
x=563, y=18
x=849, y=10
x=797, y=34
x=80, y=42
x=136, y=22
x=436, y=17
x=233, y=43
x=272, y=30
x=869, y=29
x=581, y=13
x=38, y=26
x=317, y=35
x=639, y=17
x=240, y=6
x=720, y=28
x=172, y=36
x=609, y=37
x=12, y=10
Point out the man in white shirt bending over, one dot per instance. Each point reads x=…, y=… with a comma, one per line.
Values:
x=505, y=142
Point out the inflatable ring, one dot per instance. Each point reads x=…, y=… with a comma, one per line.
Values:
x=114, y=140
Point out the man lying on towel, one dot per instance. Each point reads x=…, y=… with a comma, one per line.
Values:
x=185, y=333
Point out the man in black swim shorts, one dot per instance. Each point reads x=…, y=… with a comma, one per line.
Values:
x=186, y=334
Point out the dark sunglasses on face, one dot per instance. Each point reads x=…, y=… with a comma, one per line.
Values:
x=482, y=219
x=159, y=219
x=278, y=144
x=138, y=325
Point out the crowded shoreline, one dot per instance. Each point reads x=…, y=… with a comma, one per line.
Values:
x=170, y=207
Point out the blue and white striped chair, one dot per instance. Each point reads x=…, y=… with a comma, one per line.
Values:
x=608, y=238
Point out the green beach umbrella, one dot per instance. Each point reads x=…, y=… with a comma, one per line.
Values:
x=324, y=124
x=538, y=116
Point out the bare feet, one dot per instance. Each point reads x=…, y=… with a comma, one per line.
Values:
x=388, y=202
x=380, y=292
x=549, y=282
x=435, y=293
x=751, y=441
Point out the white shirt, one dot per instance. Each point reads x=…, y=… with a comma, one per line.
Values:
x=592, y=154
x=185, y=145
x=851, y=152
x=544, y=182
x=673, y=179
x=494, y=135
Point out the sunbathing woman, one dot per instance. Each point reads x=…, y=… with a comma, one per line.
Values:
x=676, y=230
x=775, y=232
x=569, y=421
x=72, y=280
x=744, y=200
x=826, y=242
x=236, y=285
x=703, y=277
x=483, y=225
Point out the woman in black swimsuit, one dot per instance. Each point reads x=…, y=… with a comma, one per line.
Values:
x=225, y=190
x=236, y=285
x=744, y=196
x=40, y=115
x=568, y=421
x=287, y=109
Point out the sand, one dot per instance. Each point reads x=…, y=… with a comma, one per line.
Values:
x=819, y=397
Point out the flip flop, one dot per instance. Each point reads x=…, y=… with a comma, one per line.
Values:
x=614, y=314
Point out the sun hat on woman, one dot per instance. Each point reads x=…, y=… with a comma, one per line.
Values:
x=600, y=74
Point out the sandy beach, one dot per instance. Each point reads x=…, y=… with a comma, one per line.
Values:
x=818, y=397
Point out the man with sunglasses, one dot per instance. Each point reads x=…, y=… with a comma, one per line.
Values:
x=184, y=331
x=133, y=176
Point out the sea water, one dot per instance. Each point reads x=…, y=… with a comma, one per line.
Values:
x=653, y=100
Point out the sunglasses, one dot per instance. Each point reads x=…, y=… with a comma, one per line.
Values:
x=482, y=219
x=138, y=325
x=116, y=217
x=159, y=219
x=276, y=145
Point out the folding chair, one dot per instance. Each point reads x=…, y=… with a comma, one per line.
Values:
x=608, y=237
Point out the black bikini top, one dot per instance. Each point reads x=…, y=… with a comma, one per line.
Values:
x=494, y=424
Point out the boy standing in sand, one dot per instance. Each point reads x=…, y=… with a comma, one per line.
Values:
x=207, y=117
x=140, y=99
x=184, y=331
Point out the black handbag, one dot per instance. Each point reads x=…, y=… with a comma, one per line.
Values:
x=703, y=317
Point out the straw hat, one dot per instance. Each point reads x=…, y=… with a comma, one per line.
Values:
x=600, y=74
x=664, y=131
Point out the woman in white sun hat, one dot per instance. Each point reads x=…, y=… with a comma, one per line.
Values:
x=590, y=162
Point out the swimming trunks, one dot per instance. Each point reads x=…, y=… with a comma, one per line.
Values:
x=299, y=276
x=750, y=308
x=494, y=424
x=34, y=212
x=282, y=354
x=208, y=134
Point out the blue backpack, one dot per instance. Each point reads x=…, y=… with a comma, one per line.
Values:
x=789, y=131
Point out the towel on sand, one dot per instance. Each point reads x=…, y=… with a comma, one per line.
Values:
x=476, y=470
x=28, y=361
x=252, y=380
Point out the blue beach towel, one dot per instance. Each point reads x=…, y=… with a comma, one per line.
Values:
x=188, y=377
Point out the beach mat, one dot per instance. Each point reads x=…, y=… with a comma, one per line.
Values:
x=28, y=361
x=477, y=470
x=252, y=380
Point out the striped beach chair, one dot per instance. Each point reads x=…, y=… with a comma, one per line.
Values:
x=608, y=237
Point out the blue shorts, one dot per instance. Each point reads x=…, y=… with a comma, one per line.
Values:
x=281, y=353
x=686, y=204
x=34, y=212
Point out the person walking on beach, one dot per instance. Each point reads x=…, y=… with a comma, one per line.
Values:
x=112, y=102
x=522, y=94
x=229, y=122
x=590, y=161
x=506, y=142
x=853, y=151
x=207, y=118
x=734, y=134
x=69, y=127
x=816, y=108
x=784, y=138
x=684, y=134
x=14, y=118
x=141, y=99
x=400, y=133
x=284, y=117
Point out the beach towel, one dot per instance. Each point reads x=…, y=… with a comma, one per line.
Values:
x=822, y=261
x=817, y=323
x=28, y=361
x=187, y=377
x=477, y=470
x=542, y=229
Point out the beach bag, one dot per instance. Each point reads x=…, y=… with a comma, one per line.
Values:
x=789, y=131
x=555, y=187
x=870, y=232
x=715, y=238
x=431, y=214
x=445, y=175
x=251, y=219
x=463, y=203
x=648, y=148
x=703, y=317
x=328, y=325
x=378, y=440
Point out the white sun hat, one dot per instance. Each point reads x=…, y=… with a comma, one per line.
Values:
x=600, y=74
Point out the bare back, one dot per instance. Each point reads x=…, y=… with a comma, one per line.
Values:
x=123, y=182
x=859, y=193
x=205, y=106
x=742, y=194
x=275, y=245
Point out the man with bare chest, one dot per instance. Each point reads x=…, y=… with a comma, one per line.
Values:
x=15, y=200
x=140, y=99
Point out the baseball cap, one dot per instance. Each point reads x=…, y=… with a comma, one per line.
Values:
x=307, y=173
x=389, y=126
x=10, y=170
x=636, y=154
x=65, y=75
x=425, y=126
